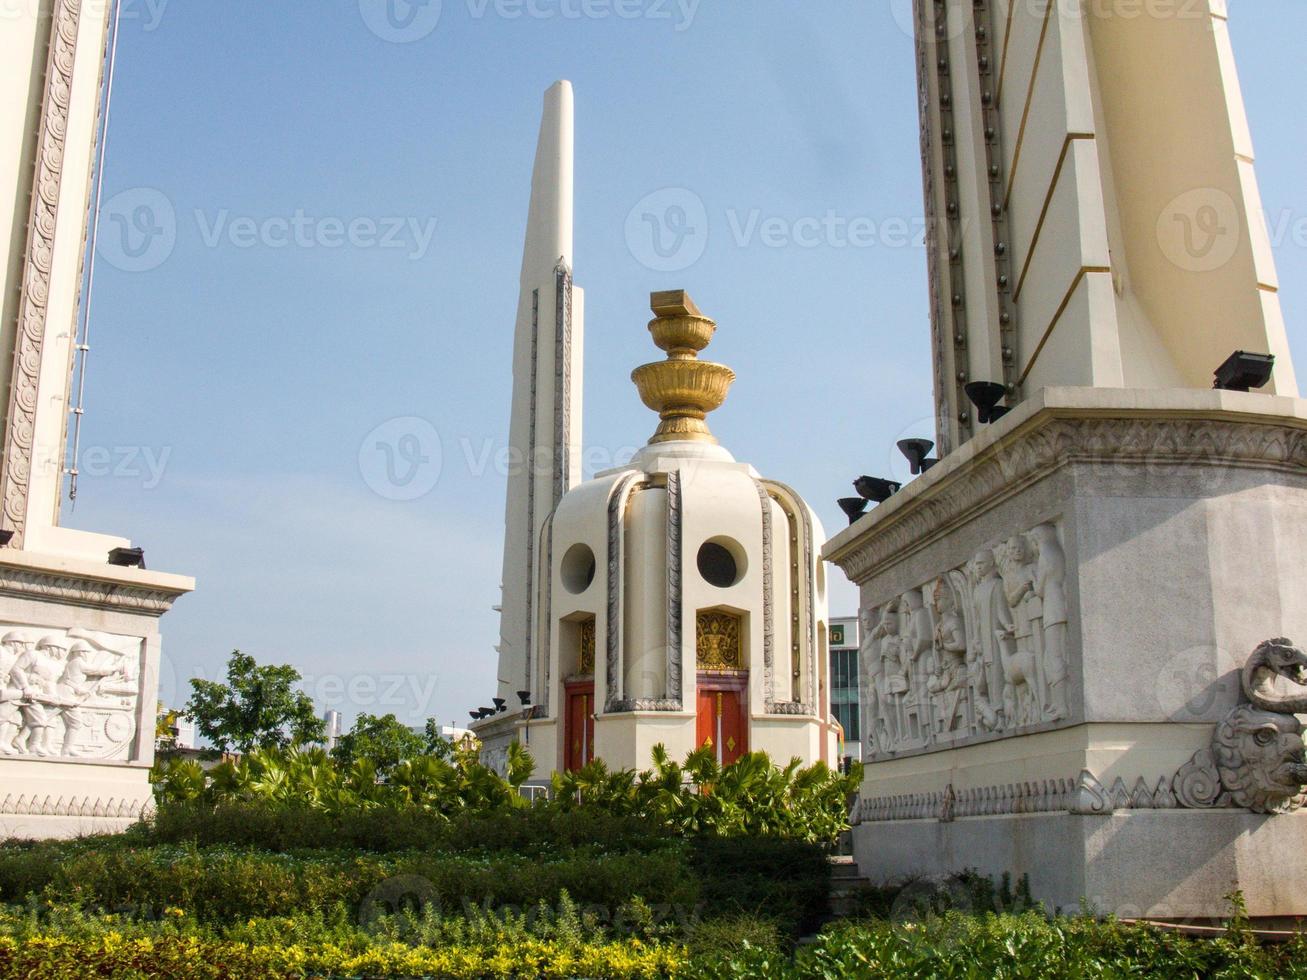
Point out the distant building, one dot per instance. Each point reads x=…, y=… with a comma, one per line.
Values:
x=331, y=724
x=844, y=704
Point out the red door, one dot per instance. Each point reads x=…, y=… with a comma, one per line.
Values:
x=722, y=718
x=579, y=731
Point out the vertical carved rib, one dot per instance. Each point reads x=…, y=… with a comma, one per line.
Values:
x=37, y=260
x=674, y=594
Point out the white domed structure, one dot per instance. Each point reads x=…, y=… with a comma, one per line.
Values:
x=681, y=598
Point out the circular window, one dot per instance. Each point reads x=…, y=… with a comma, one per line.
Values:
x=721, y=563
x=578, y=569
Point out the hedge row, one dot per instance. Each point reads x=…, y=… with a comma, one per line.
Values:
x=534, y=830
x=1011, y=947
x=224, y=884
x=59, y=958
x=783, y=881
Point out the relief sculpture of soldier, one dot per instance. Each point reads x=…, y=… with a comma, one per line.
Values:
x=67, y=695
x=13, y=648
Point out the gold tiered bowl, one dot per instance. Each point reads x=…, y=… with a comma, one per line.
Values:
x=682, y=389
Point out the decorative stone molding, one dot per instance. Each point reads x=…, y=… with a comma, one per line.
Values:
x=618, y=501
x=768, y=600
x=82, y=591
x=802, y=569
x=38, y=259
x=675, y=599
x=73, y=806
x=789, y=708
x=1084, y=795
x=562, y=381
x=645, y=704
x=1048, y=443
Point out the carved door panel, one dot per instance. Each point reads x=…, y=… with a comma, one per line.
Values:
x=579, y=731
x=722, y=720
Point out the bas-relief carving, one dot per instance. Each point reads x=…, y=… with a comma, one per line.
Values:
x=1256, y=759
x=978, y=650
x=70, y=694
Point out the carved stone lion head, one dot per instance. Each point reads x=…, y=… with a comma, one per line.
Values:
x=1260, y=758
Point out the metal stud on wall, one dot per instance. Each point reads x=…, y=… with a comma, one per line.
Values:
x=992, y=121
x=949, y=292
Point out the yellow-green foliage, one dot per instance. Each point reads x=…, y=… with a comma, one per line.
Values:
x=115, y=955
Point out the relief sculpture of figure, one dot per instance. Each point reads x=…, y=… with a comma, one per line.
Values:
x=872, y=678
x=949, y=683
x=13, y=648
x=41, y=704
x=993, y=620
x=894, y=683
x=1020, y=665
x=917, y=642
x=1050, y=586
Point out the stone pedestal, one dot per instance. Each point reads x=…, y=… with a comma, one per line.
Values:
x=1055, y=619
x=79, y=677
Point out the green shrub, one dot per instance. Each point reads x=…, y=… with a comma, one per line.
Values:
x=732, y=935
x=222, y=884
x=1007, y=946
x=534, y=830
x=787, y=882
x=751, y=797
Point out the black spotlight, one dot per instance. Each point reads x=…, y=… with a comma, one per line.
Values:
x=917, y=452
x=853, y=507
x=486, y=712
x=5, y=538
x=986, y=395
x=525, y=698
x=875, y=489
x=500, y=704
x=1243, y=371
x=475, y=715
x=127, y=557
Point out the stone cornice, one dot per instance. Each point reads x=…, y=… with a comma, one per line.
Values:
x=131, y=591
x=1065, y=426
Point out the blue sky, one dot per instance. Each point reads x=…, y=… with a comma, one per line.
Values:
x=342, y=196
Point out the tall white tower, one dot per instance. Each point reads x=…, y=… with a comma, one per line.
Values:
x=79, y=635
x=1094, y=212
x=545, y=432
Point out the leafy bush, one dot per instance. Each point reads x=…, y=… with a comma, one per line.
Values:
x=786, y=882
x=750, y=797
x=530, y=830
x=733, y=935
x=223, y=884
x=1007, y=946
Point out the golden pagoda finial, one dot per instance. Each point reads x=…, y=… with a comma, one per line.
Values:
x=681, y=389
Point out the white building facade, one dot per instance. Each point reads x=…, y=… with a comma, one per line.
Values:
x=681, y=597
